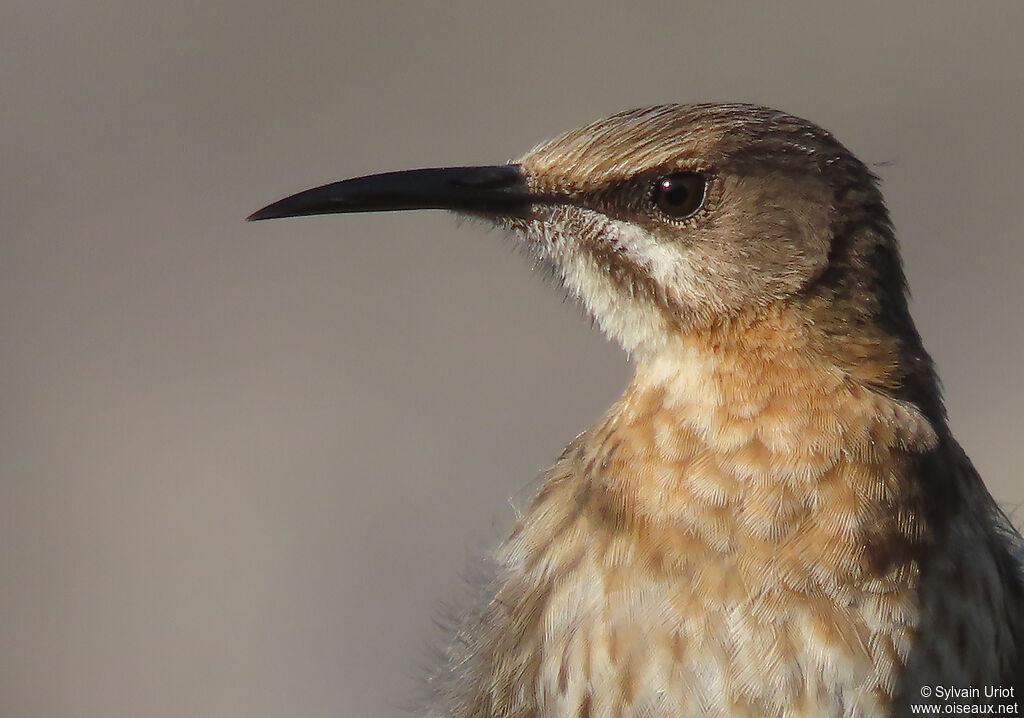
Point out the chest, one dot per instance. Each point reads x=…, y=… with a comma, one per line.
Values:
x=707, y=551
x=716, y=564
x=639, y=624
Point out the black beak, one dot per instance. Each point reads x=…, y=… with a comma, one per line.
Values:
x=494, y=191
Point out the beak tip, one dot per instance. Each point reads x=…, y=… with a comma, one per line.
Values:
x=268, y=212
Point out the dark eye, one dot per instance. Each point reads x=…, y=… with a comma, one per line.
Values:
x=680, y=194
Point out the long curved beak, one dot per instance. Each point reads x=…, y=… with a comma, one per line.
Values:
x=496, y=191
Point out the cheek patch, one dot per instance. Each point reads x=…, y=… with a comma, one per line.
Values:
x=772, y=235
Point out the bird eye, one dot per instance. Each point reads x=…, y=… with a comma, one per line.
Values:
x=680, y=194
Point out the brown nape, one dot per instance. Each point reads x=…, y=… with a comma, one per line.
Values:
x=857, y=308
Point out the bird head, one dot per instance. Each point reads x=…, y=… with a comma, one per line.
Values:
x=671, y=221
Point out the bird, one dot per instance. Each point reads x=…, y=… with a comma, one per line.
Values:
x=774, y=519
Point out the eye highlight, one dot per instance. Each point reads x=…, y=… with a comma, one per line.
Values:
x=680, y=194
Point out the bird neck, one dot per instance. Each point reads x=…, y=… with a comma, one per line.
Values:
x=855, y=317
x=750, y=440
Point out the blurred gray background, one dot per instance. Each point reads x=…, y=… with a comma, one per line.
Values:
x=242, y=465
